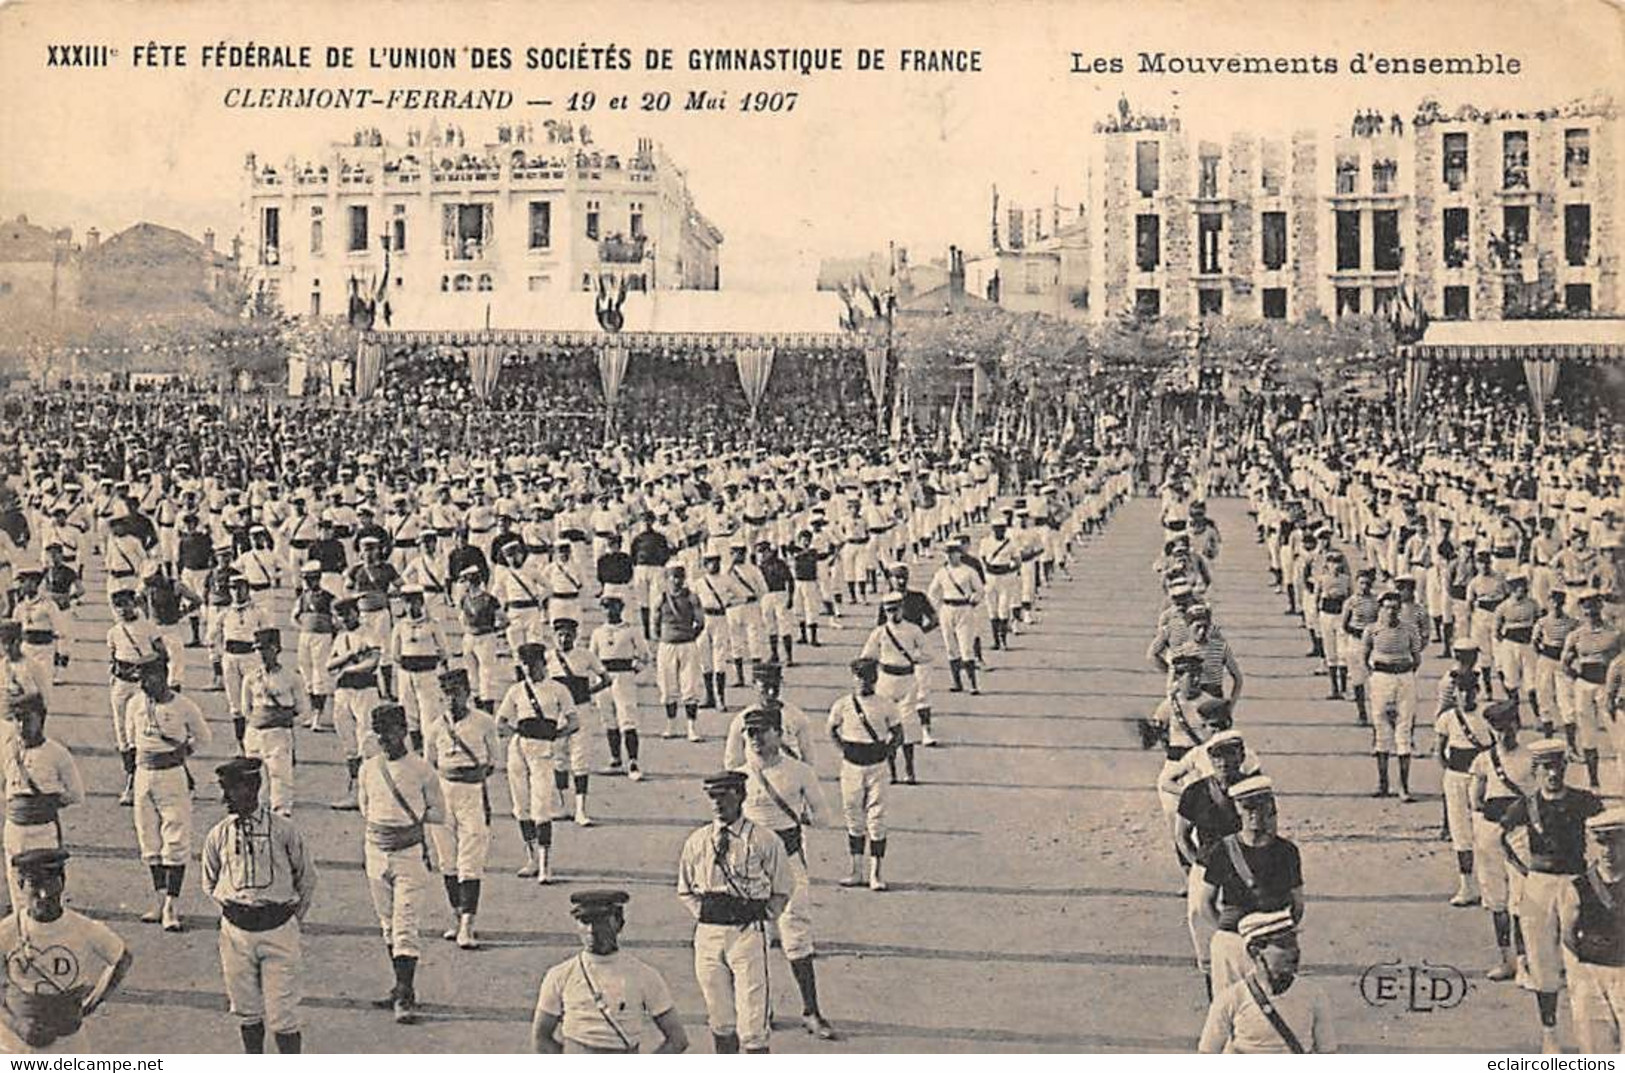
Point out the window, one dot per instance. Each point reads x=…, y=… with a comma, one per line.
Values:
x=1515, y=224
x=1576, y=156
x=539, y=283
x=485, y=281
x=1274, y=240
x=1348, y=173
x=1387, y=253
x=541, y=225
x=1458, y=245
x=1384, y=176
x=1455, y=160
x=397, y=229
x=1209, y=232
x=1147, y=302
x=1577, y=297
x=592, y=220
x=358, y=229
x=1275, y=303
x=462, y=282
x=1147, y=161
x=1455, y=303
x=1348, y=240
x=1383, y=299
x=315, y=297
x=1147, y=242
x=586, y=281
x=465, y=230
x=1016, y=230
x=270, y=236
x=1207, y=180
x=316, y=237
x=1209, y=301
x=1348, y=301
x=636, y=227
x=1515, y=160
x=1035, y=276
x=1271, y=168
x=637, y=283
x=1577, y=234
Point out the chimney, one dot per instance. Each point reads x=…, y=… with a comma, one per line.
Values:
x=93, y=238
x=237, y=248
x=208, y=240
x=956, y=272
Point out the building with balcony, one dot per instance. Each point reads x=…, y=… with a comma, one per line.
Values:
x=1480, y=215
x=1516, y=213
x=520, y=214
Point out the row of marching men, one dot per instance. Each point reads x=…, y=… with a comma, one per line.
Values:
x=1518, y=830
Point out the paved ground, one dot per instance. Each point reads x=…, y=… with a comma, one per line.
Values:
x=1035, y=903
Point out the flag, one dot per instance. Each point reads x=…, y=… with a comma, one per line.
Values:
x=1070, y=432
x=956, y=434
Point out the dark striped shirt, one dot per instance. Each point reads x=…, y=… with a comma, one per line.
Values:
x=1392, y=645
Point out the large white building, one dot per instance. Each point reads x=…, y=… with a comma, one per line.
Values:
x=524, y=213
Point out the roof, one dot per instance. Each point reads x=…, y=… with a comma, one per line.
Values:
x=1572, y=337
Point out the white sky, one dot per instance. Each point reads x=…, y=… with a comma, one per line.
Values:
x=864, y=159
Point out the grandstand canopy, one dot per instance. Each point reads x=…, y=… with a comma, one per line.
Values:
x=740, y=317
x=1592, y=339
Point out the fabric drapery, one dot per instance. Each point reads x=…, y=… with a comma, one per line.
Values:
x=612, y=362
x=755, y=364
x=874, y=363
x=1541, y=375
x=369, y=367
x=484, y=367
x=1416, y=381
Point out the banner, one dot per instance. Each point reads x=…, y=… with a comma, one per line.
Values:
x=612, y=362
x=1416, y=379
x=484, y=368
x=874, y=363
x=1541, y=375
x=755, y=364
x=956, y=432
x=369, y=367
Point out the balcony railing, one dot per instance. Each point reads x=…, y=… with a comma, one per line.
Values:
x=466, y=250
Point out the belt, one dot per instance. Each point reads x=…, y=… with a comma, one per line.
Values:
x=273, y=719
x=864, y=753
x=718, y=611
x=1354, y=631
x=32, y=810
x=464, y=774
x=125, y=671
x=301, y=545
x=391, y=838
x=261, y=587
x=419, y=663
x=731, y=909
x=123, y=573
x=257, y=917
x=618, y=665
x=852, y=540
x=162, y=761
x=406, y=543
x=1488, y=605
x=1459, y=760
x=38, y=637
x=1393, y=668
x=897, y=669
x=524, y=605
x=607, y=534
x=566, y=595
x=536, y=728
x=356, y=680
x=1550, y=651
x=993, y=569
x=755, y=519
x=1518, y=635
x=482, y=633
x=239, y=648
x=1594, y=673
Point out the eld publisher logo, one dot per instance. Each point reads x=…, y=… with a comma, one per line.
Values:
x=1423, y=987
